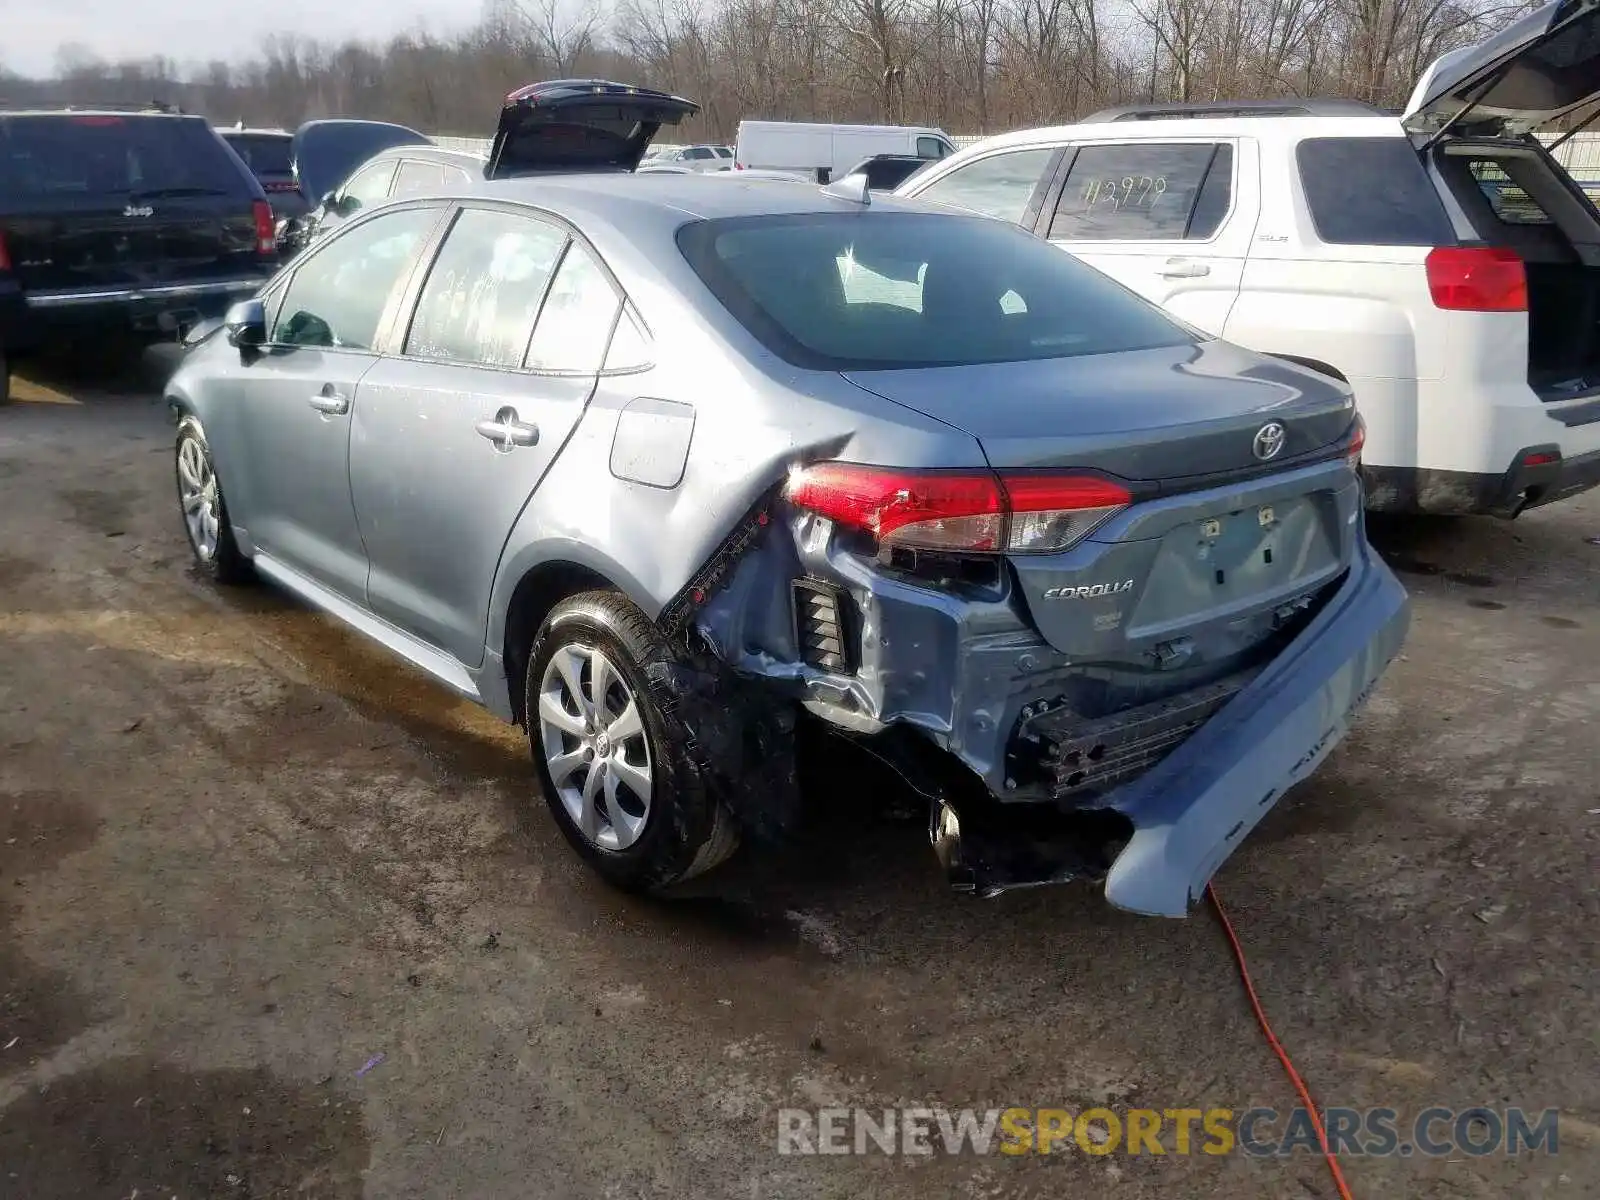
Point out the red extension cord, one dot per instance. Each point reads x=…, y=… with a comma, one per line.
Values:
x=1277, y=1047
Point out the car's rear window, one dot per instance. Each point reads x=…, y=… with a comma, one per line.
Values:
x=111, y=155
x=1371, y=191
x=900, y=289
x=263, y=153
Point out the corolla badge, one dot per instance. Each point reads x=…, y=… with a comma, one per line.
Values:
x=138, y=210
x=1269, y=441
x=1092, y=590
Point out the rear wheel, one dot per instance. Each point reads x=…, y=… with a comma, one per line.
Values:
x=612, y=758
x=205, y=511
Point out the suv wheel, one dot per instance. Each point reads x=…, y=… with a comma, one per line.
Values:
x=612, y=758
x=205, y=512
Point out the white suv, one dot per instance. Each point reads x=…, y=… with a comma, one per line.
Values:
x=1441, y=261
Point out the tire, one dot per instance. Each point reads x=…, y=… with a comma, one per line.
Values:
x=5, y=379
x=682, y=831
x=216, y=556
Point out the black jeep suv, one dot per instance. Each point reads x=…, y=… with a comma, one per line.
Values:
x=122, y=223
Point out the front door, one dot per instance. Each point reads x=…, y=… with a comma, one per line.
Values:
x=453, y=436
x=298, y=396
x=1172, y=219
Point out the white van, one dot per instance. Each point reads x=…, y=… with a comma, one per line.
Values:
x=828, y=151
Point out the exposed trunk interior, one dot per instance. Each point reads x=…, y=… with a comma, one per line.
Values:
x=1519, y=197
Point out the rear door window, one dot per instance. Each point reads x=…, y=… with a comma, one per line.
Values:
x=998, y=185
x=1370, y=192
x=339, y=294
x=575, y=322
x=415, y=176
x=484, y=288
x=109, y=155
x=1145, y=192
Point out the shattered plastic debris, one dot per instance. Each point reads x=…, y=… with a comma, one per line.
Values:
x=372, y=1062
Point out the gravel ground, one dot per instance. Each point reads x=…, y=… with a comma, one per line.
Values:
x=280, y=917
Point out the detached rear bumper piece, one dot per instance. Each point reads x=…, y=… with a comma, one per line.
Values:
x=1194, y=807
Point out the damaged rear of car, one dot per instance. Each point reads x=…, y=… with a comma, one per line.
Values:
x=1109, y=648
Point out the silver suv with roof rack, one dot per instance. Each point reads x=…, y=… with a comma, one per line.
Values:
x=1439, y=259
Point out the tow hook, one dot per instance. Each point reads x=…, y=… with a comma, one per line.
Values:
x=1016, y=846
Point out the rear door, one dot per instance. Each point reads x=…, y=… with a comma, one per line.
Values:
x=454, y=435
x=297, y=396
x=1171, y=219
x=93, y=202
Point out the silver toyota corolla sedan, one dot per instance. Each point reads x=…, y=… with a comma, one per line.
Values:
x=661, y=466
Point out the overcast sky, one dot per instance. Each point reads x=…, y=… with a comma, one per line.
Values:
x=32, y=30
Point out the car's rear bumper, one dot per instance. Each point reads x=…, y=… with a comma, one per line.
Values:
x=1537, y=475
x=1194, y=807
x=29, y=318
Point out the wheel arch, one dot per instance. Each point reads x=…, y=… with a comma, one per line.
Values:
x=539, y=587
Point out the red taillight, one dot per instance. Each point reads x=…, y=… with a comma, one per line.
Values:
x=266, y=238
x=1540, y=459
x=973, y=512
x=1358, y=441
x=5, y=255
x=1477, y=279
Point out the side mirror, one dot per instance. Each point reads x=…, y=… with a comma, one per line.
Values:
x=330, y=201
x=246, y=323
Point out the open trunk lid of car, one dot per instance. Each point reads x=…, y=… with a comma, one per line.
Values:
x=580, y=125
x=1226, y=495
x=116, y=201
x=1532, y=73
x=326, y=151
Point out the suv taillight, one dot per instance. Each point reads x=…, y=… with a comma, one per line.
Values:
x=1477, y=279
x=266, y=238
x=5, y=255
x=968, y=512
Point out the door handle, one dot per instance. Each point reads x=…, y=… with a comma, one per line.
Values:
x=505, y=430
x=1183, y=268
x=330, y=402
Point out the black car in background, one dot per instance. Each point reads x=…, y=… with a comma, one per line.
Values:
x=885, y=172
x=122, y=224
x=269, y=153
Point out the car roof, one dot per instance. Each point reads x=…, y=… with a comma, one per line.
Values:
x=621, y=197
x=430, y=153
x=235, y=131
x=150, y=113
x=1288, y=127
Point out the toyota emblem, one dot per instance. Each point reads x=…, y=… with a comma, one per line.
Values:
x=1269, y=440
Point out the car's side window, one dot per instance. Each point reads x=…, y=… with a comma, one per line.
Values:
x=483, y=289
x=997, y=186
x=340, y=292
x=931, y=147
x=1145, y=192
x=367, y=186
x=575, y=323
x=700, y=152
x=415, y=176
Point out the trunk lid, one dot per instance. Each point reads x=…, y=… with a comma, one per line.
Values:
x=326, y=151
x=580, y=125
x=116, y=200
x=1534, y=72
x=1159, y=415
x=1243, y=506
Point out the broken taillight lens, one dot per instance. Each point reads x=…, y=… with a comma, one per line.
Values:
x=1477, y=279
x=968, y=512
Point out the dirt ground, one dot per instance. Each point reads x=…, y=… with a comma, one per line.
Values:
x=243, y=855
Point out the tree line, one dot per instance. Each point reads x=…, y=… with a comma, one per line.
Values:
x=968, y=66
